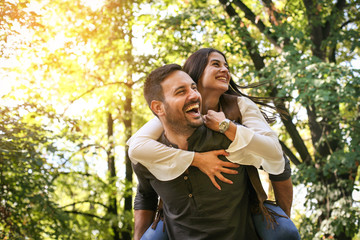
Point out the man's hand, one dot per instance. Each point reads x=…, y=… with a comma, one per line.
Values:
x=211, y=165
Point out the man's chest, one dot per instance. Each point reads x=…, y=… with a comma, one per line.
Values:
x=193, y=193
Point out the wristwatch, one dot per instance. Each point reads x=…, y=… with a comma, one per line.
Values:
x=224, y=125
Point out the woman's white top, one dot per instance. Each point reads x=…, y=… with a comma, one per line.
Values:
x=256, y=144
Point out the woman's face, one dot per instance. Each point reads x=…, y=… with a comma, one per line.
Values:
x=216, y=75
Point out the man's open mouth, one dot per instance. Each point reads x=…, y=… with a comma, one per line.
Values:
x=193, y=109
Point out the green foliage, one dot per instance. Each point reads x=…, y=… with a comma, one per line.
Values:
x=26, y=147
x=334, y=91
x=87, y=63
x=305, y=66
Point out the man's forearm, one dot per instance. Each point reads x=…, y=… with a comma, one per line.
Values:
x=142, y=220
x=283, y=191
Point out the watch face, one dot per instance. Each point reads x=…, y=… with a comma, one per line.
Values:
x=223, y=126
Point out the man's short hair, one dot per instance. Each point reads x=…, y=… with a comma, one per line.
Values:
x=152, y=87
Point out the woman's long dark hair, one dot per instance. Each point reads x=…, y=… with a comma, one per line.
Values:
x=196, y=64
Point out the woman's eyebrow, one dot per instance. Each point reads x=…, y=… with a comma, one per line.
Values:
x=215, y=60
x=218, y=61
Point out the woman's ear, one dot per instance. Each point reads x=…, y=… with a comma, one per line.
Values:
x=157, y=107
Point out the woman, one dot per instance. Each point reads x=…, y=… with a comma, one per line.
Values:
x=209, y=69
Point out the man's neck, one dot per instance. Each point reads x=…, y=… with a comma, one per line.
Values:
x=179, y=139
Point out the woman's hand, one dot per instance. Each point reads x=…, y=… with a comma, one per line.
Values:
x=212, y=119
x=211, y=165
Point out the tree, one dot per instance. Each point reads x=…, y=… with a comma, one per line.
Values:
x=27, y=146
x=302, y=48
x=81, y=62
x=86, y=55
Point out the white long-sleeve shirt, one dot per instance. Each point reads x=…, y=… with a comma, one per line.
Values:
x=256, y=144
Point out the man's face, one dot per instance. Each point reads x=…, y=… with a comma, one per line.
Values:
x=182, y=102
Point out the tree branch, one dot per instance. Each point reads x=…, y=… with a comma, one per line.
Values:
x=272, y=12
x=289, y=153
x=90, y=90
x=85, y=174
x=245, y=36
x=314, y=21
x=348, y=22
x=258, y=61
x=328, y=27
x=258, y=23
x=86, y=201
x=297, y=141
x=86, y=214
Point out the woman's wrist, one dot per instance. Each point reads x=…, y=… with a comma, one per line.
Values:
x=230, y=133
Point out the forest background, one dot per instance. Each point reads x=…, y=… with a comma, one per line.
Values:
x=71, y=79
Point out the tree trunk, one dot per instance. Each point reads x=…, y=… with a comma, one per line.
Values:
x=259, y=64
x=127, y=120
x=113, y=208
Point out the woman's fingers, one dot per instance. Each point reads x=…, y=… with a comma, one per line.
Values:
x=223, y=179
x=228, y=171
x=215, y=183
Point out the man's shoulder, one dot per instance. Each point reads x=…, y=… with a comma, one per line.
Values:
x=139, y=168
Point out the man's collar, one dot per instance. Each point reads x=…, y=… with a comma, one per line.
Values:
x=163, y=139
x=196, y=134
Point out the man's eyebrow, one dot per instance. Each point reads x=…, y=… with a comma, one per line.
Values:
x=178, y=88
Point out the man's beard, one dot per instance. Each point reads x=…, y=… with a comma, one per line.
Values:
x=180, y=125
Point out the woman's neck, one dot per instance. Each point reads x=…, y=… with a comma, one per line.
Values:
x=210, y=102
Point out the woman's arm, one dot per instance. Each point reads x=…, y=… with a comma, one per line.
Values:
x=254, y=142
x=167, y=163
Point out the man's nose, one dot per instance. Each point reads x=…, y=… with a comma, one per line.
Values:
x=194, y=94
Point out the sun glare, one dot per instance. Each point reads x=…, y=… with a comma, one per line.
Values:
x=93, y=4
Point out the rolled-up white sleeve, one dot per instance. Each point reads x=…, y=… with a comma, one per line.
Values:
x=164, y=162
x=255, y=142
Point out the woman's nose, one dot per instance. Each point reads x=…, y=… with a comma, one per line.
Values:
x=224, y=69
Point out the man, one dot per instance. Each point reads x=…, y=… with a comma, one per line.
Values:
x=193, y=208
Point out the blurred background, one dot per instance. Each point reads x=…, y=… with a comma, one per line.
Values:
x=71, y=79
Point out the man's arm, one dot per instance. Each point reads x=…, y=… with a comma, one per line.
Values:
x=145, y=202
x=283, y=191
x=142, y=220
x=283, y=188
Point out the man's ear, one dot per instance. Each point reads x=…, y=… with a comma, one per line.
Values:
x=157, y=107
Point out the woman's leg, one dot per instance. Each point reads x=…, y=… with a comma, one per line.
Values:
x=159, y=233
x=284, y=230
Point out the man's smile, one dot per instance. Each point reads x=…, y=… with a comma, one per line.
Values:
x=193, y=109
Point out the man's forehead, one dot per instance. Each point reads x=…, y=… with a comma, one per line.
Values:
x=177, y=79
